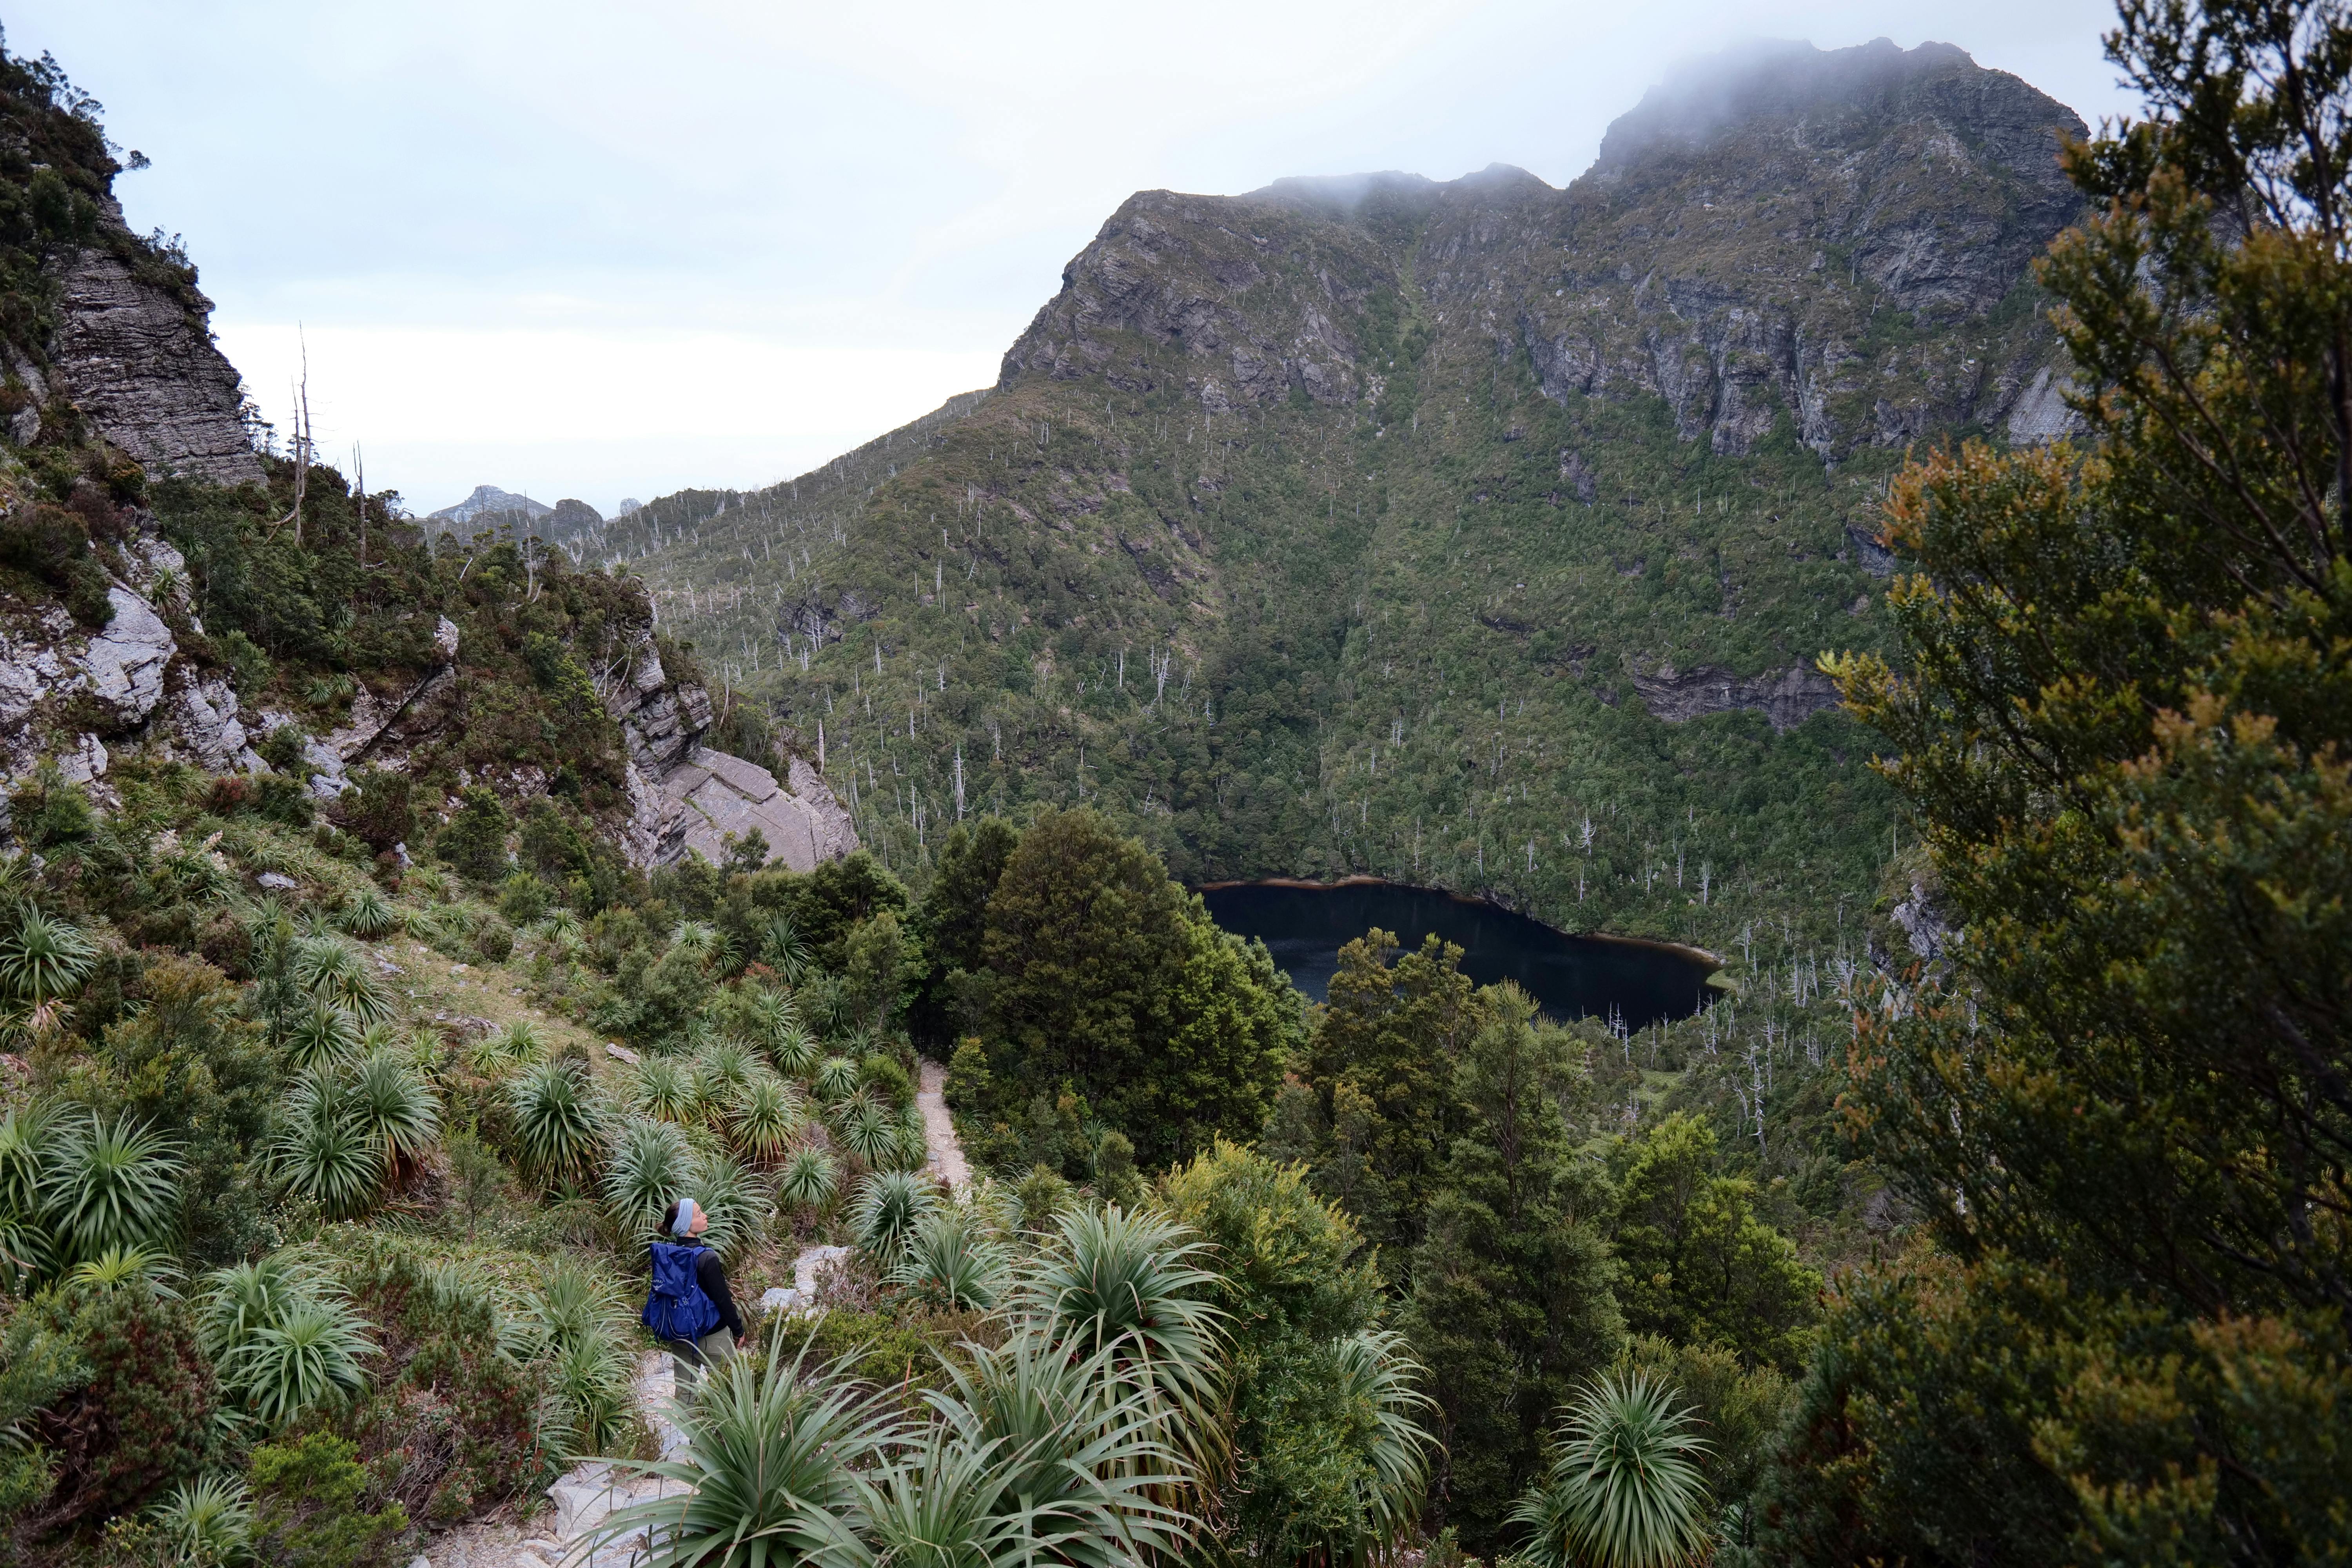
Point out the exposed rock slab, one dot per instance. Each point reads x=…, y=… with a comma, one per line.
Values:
x=1786, y=697
x=142, y=368
x=721, y=797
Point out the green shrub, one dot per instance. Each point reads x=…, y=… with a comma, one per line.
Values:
x=309, y=1507
x=282, y=748
x=523, y=898
x=475, y=841
x=144, y=1417
x=494, y=940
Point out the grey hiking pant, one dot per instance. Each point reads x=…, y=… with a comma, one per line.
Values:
x=686, y=1360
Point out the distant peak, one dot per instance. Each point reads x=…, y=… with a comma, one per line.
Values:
x=1774, y=79
x=1345, y=194
x=490, y=498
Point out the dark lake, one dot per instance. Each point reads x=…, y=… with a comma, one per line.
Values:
x=1570, y=977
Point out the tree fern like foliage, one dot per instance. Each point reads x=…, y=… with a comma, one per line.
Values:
x=646, y=1175
x=283, y=1339
x=110, y=1184
x=810, y=1179
x=886, y=1210
x=323, y=1151
x=951, y=1261
x=559, y=1123
x=663, y=1088
x=1624, y=1489
x=118, y=1267
x=320, y=1034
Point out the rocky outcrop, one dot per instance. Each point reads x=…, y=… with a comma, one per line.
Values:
x=684, y=796
x=1736, y=250
x=141, y=366
x=723, y=799
x=77, y=695
x=1786, y=697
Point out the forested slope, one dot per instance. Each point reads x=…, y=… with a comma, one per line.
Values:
x=1383, y=525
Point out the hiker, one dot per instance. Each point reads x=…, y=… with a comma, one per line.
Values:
x=689, y=1308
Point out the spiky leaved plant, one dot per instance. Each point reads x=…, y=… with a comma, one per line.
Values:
x=1134, y=1283
x=810, y=1179
x=645, y=1173
x=1079, y=1445
x=767, y=1114
x=696, y=939
x=795, y=1052
x=369, y=913
x=1379, y=1382
x=207, y=1519
x=768, y=1473
x=235, y=1302
x=722, y=1070
x=836, y=1079
x=503, y=1049
x=869, y=1133
x=322, y=1151
x=1623, y=1488
x=331, y=968
x=951, y=1261
x=579, y=1321
x=396, y=1108
x=771, y=1012
x=43, y=959
x=782, y=950
x=28, y=1148
x=111, y=1185
x=319, y=1034
x=310, y=1356
x=728, y=1194
x=663, y=1088
x=559, y=1121
x=885, y=1211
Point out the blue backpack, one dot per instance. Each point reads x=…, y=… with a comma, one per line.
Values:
x=677, y=1309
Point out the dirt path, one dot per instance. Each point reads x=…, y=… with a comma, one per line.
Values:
x=945, y=1159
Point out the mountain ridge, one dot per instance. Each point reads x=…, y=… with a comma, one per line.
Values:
x=1359, y=454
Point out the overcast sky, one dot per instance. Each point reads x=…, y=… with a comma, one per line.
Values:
x=600, y=251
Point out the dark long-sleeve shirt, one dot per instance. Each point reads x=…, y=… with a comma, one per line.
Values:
x=711, y=1274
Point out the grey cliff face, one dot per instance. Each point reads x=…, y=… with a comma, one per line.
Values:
x=684, y=796
x=144, y=371
x=1785, y=697
x=1736, y=250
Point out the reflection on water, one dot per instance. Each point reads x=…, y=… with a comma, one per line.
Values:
x=1570, y=977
